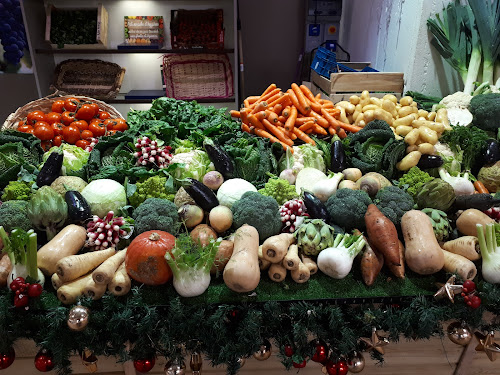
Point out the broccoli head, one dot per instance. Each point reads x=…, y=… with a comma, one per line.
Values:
x=153, y=187
x=393, y=202
x=279, y=189
x=259, y=211
x=347, y=208
x=156, y=214
x=486, y=111
x=14, y=214
x=17, y=190
x=413, y=180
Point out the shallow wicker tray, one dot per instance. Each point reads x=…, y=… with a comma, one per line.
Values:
x=45, y=104
x=96, y=78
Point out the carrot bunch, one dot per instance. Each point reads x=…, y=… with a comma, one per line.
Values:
x=285, y=116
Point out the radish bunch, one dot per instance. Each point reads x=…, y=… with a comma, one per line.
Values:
x=293, y=213
x=149, y=153
x=105, y=233
x=494, y=213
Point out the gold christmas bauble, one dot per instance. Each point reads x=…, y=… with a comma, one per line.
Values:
x=89, y=360
x=78, y=318
x=241, y=361
x=355, y=362
x=264, y=352
x=459, y=333
x=196, y=362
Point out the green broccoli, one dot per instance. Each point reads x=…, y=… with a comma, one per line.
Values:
x=279, y=189
x=17, y=190
x=14, y=214
x=347, y=208
x=156, y=214
x=486, y=111
x=259, y=211
x=153, y=187
x=393, y=202
x=413, y=180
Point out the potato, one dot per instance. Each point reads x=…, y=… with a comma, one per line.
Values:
x=354, y=99
x=405, y=111
x=442, y=117
x=412, y=137
x=343, y=116
x=350, y=119
x=411, y=148
x=431, y=116
x=376, y=101
x=428, y=135
x=426, y=148
x=381, y=114
x=403, y=130
x=406, y=100
x=406, y=120
x=362, y=123
x=422, y=113
x=349, y=107
x=409, y=161
x=391, y=97
x=436, y=126
x=369, y=116
x=365, y=98
x=370, y=107
x=359, y=118
x=421, y=118
x=415, y=105
x=390, y=107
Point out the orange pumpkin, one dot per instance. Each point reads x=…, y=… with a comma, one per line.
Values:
x=145, y=258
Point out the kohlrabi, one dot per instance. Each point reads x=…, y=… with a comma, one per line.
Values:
x=190, y=263
x=489, y=244
x=336, y=261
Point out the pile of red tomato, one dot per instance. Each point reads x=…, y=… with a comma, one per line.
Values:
x=72, y=121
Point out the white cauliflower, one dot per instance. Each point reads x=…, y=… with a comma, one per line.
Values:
x=457, y=100
x=196, y=164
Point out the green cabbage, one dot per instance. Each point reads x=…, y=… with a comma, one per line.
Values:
x=74, y=160
x=304, y=156
x=104, y=195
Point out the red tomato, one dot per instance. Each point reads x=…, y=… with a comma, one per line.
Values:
x=57, y=140
x=21, y=123
x=35, y=116
x=24, y=128
x=95, y=106
x=52, y=117
x=82, y=143
x=58, y=106
x=46, y=145
x=71, y=104
x=57, y=127
x=109, y=133
x=31, y=131
x=71, y=134
x=104, y=115
x=68, y=117
x=41, y=123
x=86, y=112
x=81, y=124
x=44, y=132
x=119, y=124
x=87, y=135
x=97, y=128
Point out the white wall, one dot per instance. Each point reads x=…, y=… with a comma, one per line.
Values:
x=393, y=36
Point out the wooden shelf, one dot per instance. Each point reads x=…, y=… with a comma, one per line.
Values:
x=109, y=51
x=149, y=100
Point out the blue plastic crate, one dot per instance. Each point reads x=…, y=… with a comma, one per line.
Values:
x=345, y=68
x=369, y=69
x=325, y=62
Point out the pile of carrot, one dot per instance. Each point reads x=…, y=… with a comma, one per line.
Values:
x=285, y=116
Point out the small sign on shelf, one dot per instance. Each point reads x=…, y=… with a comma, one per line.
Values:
x=143, y=31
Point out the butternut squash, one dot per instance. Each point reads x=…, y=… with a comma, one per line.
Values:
x=466, y=222
x=67, y=242
x=242, y=273
x=422, y=254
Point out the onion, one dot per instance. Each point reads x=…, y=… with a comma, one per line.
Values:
x=203, y=233
x=213, y=180
x=191, y=215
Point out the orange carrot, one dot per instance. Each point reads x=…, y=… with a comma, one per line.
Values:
x=270, y=88
x=245, y=127
x=332, y=131
x=235, y=114
x=348, y=127
x=320, y=130
x=253, y=99
x=480, y=187
x=303, y=120
x=383, y=234
x=308, y=125
x=327, y=104
x=254, y=121
x=281, y=119
x=244, y=115
x=303, y=136
x=271, y=117
x=318, y=96
x=259, y=107
x=335, y=112
x=277, y=132
x=278, y=108
x=286, y=111
x=290, y=134
x=246, y=103
x=264, y=134
x=264, y=98
x=315, y=106
x=341, y=132
x=295, y=102
x=290, y=121
x=320, y=119
x=300, y=97
x=283, y=100
x=261, y=115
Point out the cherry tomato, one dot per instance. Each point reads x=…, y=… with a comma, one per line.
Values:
x=24, y=128
x=52, y=117
x=31, y=131
x=57, y=127
x=81, y=124
x=86, y=112
x=109, y=133
x=58, y=106
x=41, y=123
x=87, y=135
x=35, y=116
x=82, y=143
x=95, y=106
x=46, y=145
x=97, y=128
x=104, y=115
x=21, y=123
x=68, y=117
x=57, y=140
x=44, y=132
x=119, y=124
x=71, y=134
x=71, y=104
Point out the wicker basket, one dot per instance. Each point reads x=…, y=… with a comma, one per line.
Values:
x=202, y=76
x=45, y=105
x=96, y=78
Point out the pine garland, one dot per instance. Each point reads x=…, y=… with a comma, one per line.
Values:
x=135, y=327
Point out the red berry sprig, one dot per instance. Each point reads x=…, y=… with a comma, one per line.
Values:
x=106, y=233
x=471, y=299
x=149, y=153
x=23, y=291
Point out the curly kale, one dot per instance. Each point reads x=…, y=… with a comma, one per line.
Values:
x=156, y=214
x=153, y=187
x=17, y=190
x=374, y=149
x=347, y=208
x=413, y=180
x=393, y=202
x=259, y=211
x=279, y=189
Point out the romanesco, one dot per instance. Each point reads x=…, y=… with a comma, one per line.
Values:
x=17, y=190
x=413, y=180
x=279, y=189
x=153, y=187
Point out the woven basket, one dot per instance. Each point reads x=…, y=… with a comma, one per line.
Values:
x=96, y=78
x=45, y=105
x=202, y=76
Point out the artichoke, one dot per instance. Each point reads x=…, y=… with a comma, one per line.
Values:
x=436, y=194
x=47, y=210
x=490, y=177
x=313, y=236
x=440, y=223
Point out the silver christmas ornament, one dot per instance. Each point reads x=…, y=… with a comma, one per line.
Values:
x=459, y=333
x=175, y=368
x=355, y=362
x=78, y=318
x=264, y=352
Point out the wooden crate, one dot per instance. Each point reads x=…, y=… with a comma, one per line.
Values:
x=341, y=86
x=102, y=28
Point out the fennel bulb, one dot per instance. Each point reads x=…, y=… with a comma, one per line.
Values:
x=336, y=261
x=326, y=187
x=489, y=244
x=461, y=184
